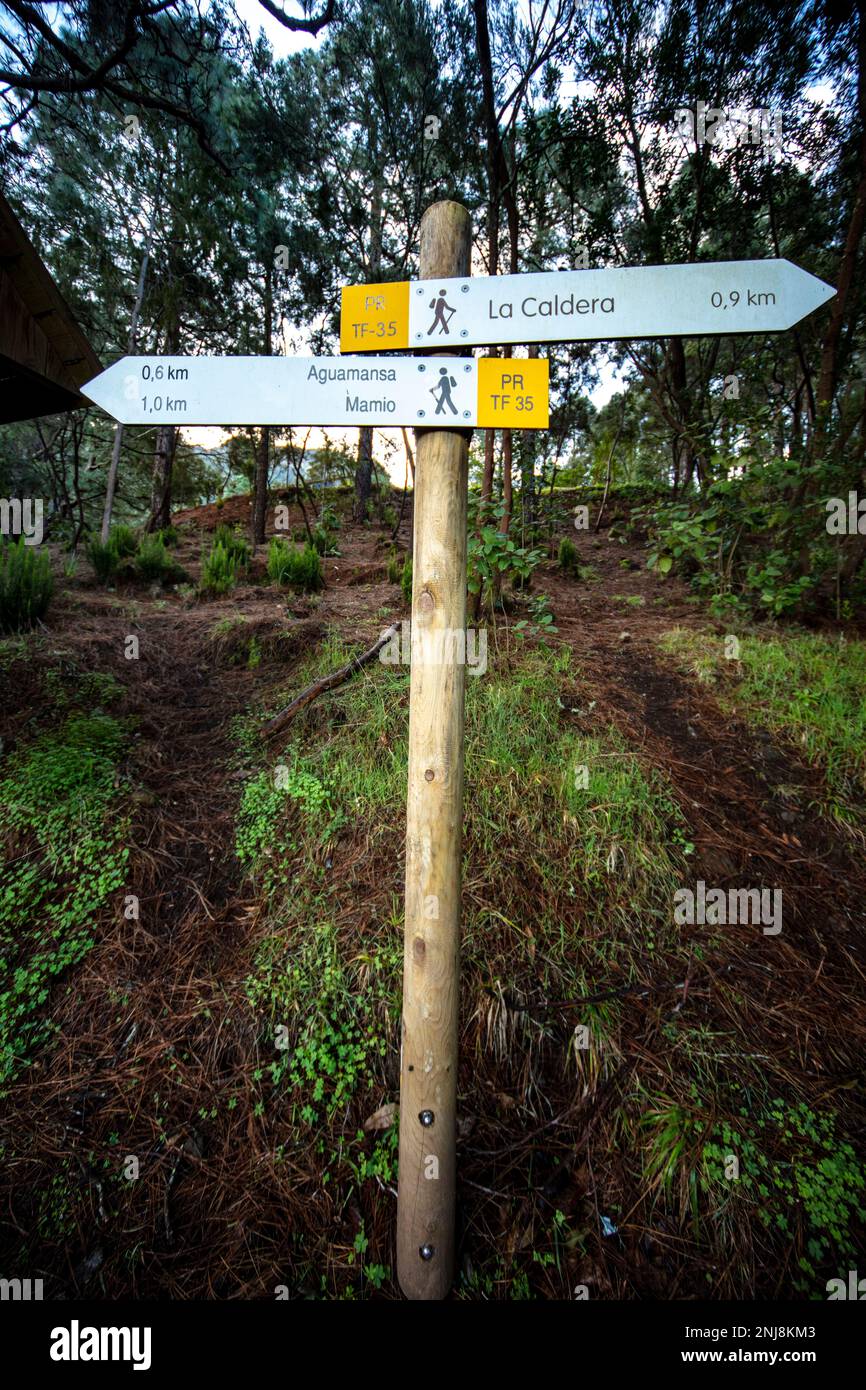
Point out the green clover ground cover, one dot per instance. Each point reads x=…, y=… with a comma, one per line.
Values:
x=62, y=841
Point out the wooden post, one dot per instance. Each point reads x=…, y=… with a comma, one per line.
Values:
x=434, y=814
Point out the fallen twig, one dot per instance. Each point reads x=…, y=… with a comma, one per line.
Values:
x=325, y=683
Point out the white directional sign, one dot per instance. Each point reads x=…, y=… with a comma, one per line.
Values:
x=323, y=391
x=570, y=306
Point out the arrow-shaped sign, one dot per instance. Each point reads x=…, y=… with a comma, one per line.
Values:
x=459, y=391
x=656, y=301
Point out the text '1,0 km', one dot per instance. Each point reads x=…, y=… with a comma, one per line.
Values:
x=656, y=301
x=456, y=391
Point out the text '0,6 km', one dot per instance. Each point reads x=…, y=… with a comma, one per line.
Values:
x=582, y=305
x=456, y=391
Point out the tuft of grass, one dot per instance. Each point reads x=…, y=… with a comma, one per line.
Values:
x=395, y=569
x=152, y=560
x=568, y=558
x=325, y=541
x=107, y=559
x=228, y=556
x=806, y=687
x=123, y=541
x=219, y=570
x=26, y=585
x=233, y=544
x=104, y=559
x=406, y=579
x=300, y=569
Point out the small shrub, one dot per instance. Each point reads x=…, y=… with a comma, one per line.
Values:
x=324, y=543
x=26, y=585
x=152, y=560
x=395, y=569
x=302, y=569
x=324, y=535
x=406, y=579
x=123, y=541
x=169, y=535
x=219, y=570
x=568, y=558
x=329, y=518
x=307, y=571
x=493, y=559
x=233, y=544
x=107, y=559
x=540, y=622
x=104, y=559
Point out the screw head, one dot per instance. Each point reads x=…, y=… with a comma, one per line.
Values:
x=420, y=414
x=426, y=1117
x=420, y=289
x=418, y=337
x=464, y=289
x=467, y=414
x=426, y=1252
x=464, y=333
x=422, y=368
x=468, y=367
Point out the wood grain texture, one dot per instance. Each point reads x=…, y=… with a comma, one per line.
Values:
x=434, y=813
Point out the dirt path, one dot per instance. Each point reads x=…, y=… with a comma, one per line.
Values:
x=746, y=799
x=744, y=794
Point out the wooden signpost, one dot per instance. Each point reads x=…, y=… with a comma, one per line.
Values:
x=434, y=819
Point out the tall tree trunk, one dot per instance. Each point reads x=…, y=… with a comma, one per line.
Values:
x=363, y=472
x=364, y=467
x=163, y=464
x=828, y=375
x=494, y=161
x=689, y=460
x=509, y=196
x=260, y=482
x=77, y=434
x=507, y=481
x=166, y=435
x=111, y=484
x=527, y=471
x=410, y=463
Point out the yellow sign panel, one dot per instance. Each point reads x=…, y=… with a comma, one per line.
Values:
x=513, y=393
x=374, y=316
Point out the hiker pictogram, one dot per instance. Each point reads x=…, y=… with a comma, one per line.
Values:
x=441, y=307
x=443, y=386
